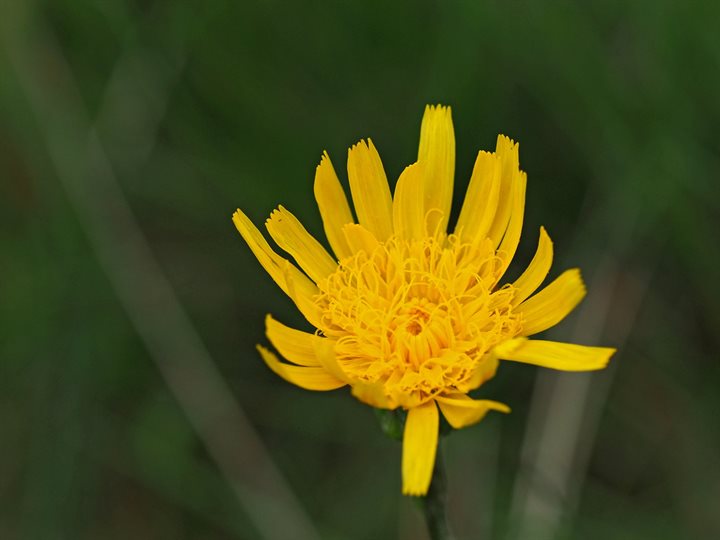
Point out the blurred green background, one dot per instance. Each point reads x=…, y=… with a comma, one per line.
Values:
x=132, y=401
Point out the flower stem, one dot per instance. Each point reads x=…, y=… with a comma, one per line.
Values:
x=435, y=502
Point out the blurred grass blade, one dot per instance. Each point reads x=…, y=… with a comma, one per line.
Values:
x=83, y=169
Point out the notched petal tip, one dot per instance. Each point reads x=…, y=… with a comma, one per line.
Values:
x=325, y=164
x=359, y=146
x=271, y=261
x=506, y=143
x=437, y=108
x=241, y=220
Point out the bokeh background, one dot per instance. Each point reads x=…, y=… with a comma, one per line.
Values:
x=132, y=401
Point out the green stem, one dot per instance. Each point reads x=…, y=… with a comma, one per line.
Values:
x=435, y=502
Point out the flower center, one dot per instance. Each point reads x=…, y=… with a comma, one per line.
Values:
x=414, y=316
x=414, y=327
x=418, y=317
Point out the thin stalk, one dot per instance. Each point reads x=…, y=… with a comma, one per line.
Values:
x=434, y=504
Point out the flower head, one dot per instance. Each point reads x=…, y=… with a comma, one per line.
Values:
x=407, y=313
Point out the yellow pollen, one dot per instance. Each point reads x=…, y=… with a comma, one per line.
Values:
x=418, y=317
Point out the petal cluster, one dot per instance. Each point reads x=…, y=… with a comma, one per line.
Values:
x=406, y=312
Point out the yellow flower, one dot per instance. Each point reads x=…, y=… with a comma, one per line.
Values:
x=408, y=314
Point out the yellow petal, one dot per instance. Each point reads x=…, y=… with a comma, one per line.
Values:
x=420, y=441
x=507, y=152
x=370, y=190
x=481, y=199
x=461, y=411
x=437, y=154
x=302, y=291
x=333, y=205
x=372, y=394
x=537, y=270
x=408, y=207
x=270, y=261
x=325, y=353
x=309, y=378
x=296, y=346
x=553, y=303
x=360, y=239
x=510, y=241
x=484, y=371
x=292, y=237
x=555, y=355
